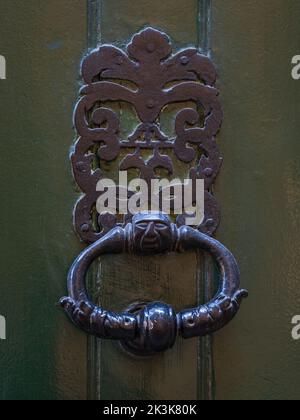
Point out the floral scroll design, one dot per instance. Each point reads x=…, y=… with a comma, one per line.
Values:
x=157, y=78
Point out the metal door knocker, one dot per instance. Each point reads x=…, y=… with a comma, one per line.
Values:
x=149, y=77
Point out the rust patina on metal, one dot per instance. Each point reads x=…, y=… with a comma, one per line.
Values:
x=159, y=78
x=155, y=327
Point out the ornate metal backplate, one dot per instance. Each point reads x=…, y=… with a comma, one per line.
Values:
x=149, y=77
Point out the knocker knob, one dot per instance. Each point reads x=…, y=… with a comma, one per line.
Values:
x=157, y=329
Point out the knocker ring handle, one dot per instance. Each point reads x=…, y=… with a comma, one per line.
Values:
x=154, y=327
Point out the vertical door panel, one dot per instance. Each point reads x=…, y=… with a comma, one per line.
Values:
x=253, y=44
x=122, y=280
x=44, y=357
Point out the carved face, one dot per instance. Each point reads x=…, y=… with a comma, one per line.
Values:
x=152, y=232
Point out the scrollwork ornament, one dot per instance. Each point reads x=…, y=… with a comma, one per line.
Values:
x=148, y=76
x=157, y=77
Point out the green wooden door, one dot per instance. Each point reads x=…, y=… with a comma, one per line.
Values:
x=46, y=357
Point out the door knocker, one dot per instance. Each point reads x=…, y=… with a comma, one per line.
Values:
x=149, y=78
